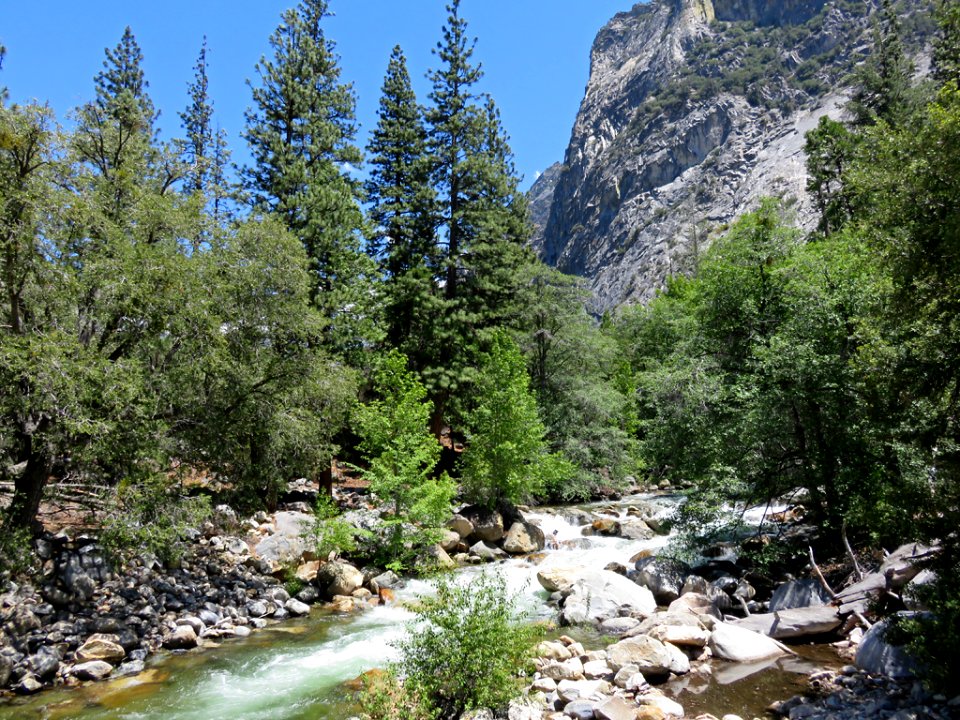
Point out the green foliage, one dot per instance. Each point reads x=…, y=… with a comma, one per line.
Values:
x=946, y=44
x=830, y=150
x=505, y=437
x=17, y=558
x=152, y=516
x=583, y=396
x=882, y=85
x=330, y=533
x=466, y=648
x=402, y=455
x=301, y=136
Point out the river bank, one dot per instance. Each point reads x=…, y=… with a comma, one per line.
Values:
x=288, y=667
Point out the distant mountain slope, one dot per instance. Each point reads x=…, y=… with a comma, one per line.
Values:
x=694, y=110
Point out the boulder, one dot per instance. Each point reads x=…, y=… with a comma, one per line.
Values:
x=903, y=564
x=388, y=579
x=461, y=526
x=571, y=669
x=681, y=635
x=695, y=603
x=93, y=670
x=101, y=647
x=664, y=577
x=599, y=594
x=649, y=655
x=286, y=544
x=523, y=538
x=487, y=524
x=553, y=650
x=450, y=540
x=580, y=709
x=339, y=578
x=606, y=526
x=670, y=708
x=558, y=579
x=44, y=663
x=619, y=625
x=799, y=622
x=571, y=690
x=636, y=530
x=343, y=604
x=615, y=709
x=307, y=572
x=183, y=638
x=741, y=645
x=877, y=655
x=487, y=553
x=799, y=594
x=297, y=608
x=596, y=670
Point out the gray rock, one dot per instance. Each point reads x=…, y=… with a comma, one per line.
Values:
x=308, y=595
x=183, y=638
x=486, y=552
x=297, y=608
x=389, y=579
x=651, y=657
x=615, y=709
x=663, y=577
x=6, y=669
x=44, y=663
x=599, y=594
x=580, y=709
x=741, y=645
x=523, y=538
x=339, y=578
x=286, y=544
x=799, y=594
x=878, y=656
x=94, y=670
x=799, y=622
x=618, y=625
x=101, y=647
x=487, y=526
x=631, y=201
x=28, y=685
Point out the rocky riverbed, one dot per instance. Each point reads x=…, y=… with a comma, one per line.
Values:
x=83, y=622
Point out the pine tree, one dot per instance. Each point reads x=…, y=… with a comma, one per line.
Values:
x=882, y=85
x=946, y=44
x=205, y=150
x=114, y=136
x=482, y=218
x=4, y=93
x=402, y=210
x=301, y=136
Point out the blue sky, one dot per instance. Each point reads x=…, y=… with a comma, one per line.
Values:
x=535, y=54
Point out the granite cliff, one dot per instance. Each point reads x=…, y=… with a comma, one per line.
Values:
x=694, y=110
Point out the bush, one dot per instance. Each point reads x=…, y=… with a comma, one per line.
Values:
x=467, y=648
x=152, y=516
x=330, y=533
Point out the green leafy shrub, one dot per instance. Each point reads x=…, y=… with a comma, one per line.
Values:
x=152, y=516
x=330, y=533
x=467, y=648
x=16, y=554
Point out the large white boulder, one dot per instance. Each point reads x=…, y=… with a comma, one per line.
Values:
x=730, y=642
x=599, y=594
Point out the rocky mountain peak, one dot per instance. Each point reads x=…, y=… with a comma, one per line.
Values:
x=694, y=110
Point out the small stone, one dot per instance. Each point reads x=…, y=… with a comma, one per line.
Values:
x=596, y=669
x=183, y=638
x=544, y=685
x=615, y=709
x=28, y=685
x=580, y=709
x=661, y=702
x=94, y=670
x=101, y=647
x=297, y=608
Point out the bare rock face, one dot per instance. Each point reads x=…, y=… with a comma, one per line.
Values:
x=673, y=140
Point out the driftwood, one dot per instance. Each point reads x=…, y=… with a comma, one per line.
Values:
x=820, y=577
x=853, y=558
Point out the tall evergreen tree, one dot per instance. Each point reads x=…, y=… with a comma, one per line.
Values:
x=946, y=44
x=402, y=209
x=482, y=219
x=882, y=84
x=205, y=150
x=301, y=136
x=4, y=93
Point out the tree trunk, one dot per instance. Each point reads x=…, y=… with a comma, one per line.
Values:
x=28, y=491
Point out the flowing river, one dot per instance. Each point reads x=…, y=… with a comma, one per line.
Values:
x=297, y=669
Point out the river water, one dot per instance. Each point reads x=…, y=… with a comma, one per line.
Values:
x=296, y=670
